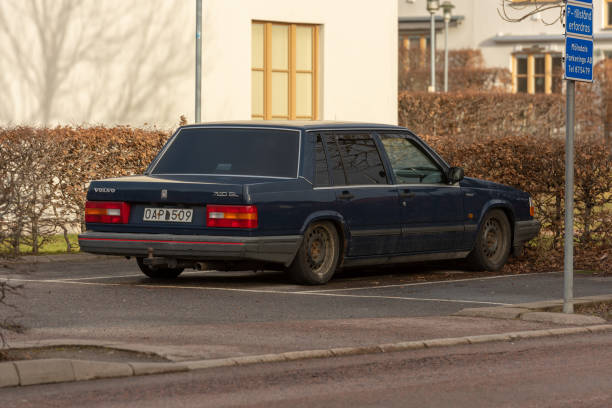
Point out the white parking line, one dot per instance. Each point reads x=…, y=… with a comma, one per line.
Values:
x=255, y=291
x=135, y=275
x=100, y=277
x=400, y=285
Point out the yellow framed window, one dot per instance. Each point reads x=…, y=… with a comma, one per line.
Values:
x=537, y=73
x=607, y=13
x=284, y=71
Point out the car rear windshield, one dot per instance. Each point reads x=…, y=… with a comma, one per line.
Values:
x=248, y=152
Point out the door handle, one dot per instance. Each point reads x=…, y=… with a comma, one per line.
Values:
x=346, y=195
x=407, y=193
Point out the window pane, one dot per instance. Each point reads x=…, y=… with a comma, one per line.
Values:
x=335, y=161
x=609, y=13
x=557, y=74
x=257, y=46
x=257, y=93
x=303, y=94
x=557, y=65
x=539, y=85
x=280, y=94
x=409, y=163
x=521, y=84
x=361, y=159
x=540, y=65
x=253, y=152
x=303, y=48
x=521, y=65
x=321, y=172
x=280, y=47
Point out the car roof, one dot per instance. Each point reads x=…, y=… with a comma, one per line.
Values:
x=296, y=124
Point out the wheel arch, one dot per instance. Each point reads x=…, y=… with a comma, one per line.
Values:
x=337, y=221
x=506, y=208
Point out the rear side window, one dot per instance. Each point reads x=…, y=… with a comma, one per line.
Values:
x=361, y=159
x=321, y=171
x=335, y=161
x=250, y=152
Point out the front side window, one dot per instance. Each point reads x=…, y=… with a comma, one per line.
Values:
x=410, y=164
x=284, y=71
x=244, y=152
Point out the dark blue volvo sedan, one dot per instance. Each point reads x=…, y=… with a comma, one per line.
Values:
x=305, y=197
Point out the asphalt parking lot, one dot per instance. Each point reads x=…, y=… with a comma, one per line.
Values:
x=214, y=314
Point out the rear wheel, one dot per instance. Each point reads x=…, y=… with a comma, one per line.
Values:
x=492, y=246
x=157, y=272
x=317, y=258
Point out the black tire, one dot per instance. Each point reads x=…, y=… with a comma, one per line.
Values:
x=155, y=272
x=317, y=258
x=493, y=243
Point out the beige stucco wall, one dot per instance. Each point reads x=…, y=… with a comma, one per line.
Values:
x=132, y=62
x=358, y=55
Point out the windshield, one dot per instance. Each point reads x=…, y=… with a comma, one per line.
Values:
x=236, y=151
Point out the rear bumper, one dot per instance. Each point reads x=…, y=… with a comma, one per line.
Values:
x=525, y=231
x=275, y=249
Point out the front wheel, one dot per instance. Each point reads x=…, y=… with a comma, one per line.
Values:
x=157, y=272
x=317, y=258
x=493, y=243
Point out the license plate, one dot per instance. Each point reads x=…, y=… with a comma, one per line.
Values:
x=168, y=214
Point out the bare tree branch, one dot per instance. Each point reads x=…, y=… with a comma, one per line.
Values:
x=514, y=12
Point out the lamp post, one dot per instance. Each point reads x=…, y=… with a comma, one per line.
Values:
x=433, y=6
x=447, y=7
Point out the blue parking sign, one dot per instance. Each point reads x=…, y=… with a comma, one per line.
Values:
x=579, y=59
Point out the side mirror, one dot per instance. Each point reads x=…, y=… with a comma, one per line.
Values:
x=455, y=175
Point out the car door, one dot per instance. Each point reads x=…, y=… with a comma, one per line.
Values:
x=366, y=200
x=431, y=209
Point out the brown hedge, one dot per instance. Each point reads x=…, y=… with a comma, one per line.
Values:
x=45, y=174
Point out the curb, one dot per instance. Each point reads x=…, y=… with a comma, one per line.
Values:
x=60, y=257
x=47, y=371
x=548, y=311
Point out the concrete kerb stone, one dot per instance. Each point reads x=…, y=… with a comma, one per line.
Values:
x=562, y=318
x=302, y=355
x=8, y=375
x=543, y=311
x=157, y=368
x=51, y=370
x=404, y=346
x=73, y=257
x=89, y=370
x=457, y=341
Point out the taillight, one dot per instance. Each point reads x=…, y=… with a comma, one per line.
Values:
x=531, y=207
x=231, y=216
x=107, y=212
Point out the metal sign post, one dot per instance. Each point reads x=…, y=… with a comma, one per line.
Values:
x=578, y=67
x=198, y=78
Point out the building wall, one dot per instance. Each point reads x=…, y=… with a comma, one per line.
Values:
x=116, y=62
x=358, y=54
